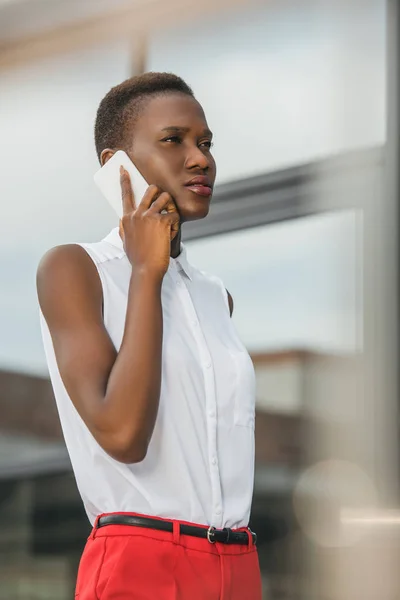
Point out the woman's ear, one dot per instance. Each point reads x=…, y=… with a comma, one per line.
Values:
x=106, y=154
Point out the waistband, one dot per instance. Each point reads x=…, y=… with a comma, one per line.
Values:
x=191, y=535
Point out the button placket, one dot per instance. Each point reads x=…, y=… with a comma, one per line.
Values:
x=211, y=405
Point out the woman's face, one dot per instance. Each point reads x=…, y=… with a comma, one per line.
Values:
x=171, y=148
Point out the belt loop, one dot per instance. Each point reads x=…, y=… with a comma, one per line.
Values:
x=250, y=536
x=95, y=527
x=176, y=532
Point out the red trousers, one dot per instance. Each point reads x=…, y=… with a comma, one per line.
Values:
x=121, y=562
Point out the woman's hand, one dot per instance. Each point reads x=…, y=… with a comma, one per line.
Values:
x=148, y=229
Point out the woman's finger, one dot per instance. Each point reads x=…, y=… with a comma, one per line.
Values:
x=174, y=221
x=151, y=195
x=128, y=198
x=163, y=203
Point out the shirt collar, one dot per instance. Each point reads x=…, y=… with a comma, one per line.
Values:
x=181, y=262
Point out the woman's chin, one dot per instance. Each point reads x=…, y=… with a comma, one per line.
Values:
x=194, y=210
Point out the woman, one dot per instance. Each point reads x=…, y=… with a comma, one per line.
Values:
x=154, y=389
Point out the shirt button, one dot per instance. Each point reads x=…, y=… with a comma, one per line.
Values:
x=214, y=460
x=208, y=365
x=211, y=414
x=218, y=510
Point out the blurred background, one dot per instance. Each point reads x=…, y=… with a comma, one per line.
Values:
x=302, y=96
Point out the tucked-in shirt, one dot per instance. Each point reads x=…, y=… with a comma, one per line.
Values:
x=199, y=465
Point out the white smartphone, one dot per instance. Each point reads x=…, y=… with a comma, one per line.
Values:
x=107, y=180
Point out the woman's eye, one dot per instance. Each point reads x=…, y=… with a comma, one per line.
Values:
x=174, y=139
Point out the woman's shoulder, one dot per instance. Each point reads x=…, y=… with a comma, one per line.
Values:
x=65, y=263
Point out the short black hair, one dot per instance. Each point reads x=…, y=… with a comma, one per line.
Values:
x=124, y=102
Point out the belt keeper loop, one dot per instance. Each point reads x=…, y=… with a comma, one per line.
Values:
x=176, y=528
x=95, y=527
x=228, y=532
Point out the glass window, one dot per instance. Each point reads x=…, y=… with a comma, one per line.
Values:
x=285, y=83
x=294, y=284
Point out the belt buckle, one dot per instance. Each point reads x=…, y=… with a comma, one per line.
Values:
x=211, y=531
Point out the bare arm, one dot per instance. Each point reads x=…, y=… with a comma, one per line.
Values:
x=116, y=394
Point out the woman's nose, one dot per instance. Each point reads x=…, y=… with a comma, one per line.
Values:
x=197, y=158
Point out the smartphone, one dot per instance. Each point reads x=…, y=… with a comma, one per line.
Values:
x=107, y=180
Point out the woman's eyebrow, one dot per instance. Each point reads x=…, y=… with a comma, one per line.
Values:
x=180, y=129
x=175, y=128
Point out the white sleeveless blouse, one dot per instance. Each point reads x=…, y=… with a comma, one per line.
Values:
x=199, y=465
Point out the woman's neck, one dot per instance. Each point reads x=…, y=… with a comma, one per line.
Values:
x=176, y=245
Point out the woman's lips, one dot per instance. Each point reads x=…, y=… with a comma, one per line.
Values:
x=201, y=190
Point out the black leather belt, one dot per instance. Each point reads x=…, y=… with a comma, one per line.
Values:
x=224, y=536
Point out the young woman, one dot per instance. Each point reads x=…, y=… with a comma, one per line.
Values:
x=154, y=389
